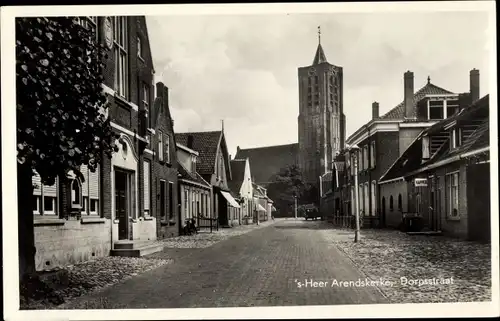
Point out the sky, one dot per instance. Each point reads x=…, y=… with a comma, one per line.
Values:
x=243, y=68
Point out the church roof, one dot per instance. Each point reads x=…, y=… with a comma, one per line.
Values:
x=398, y=112
x=265, y=162
x=320, y=56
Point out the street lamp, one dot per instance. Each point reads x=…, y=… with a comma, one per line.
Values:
x=355, y=149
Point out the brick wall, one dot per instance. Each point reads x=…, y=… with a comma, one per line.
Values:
x=392, y=218
x=478, y=200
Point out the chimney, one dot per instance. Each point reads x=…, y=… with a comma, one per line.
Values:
x=375, y=110
x=408, y=95
x=159, y=89
x=165, y=97
x=474, y=84
x=230, y=157
x=190, y=141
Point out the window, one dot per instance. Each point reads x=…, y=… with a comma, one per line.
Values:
x=436, y=109
x=167, y=148
x=452, y=107
x=186, y=202
x=94, y=206
x=425, y=147
x=120, y=55
x=160, y=146
x=452, y=195
x=366, y=211
x=203, y=204
x=365, y=157
x=171, y=200
x=391, y=204
x=89, y=23
x=417, y=204
x=372, y=154
x=36, y=204
x=360, y=161
x=374, y=197
x=139, y=47
x=193, y=163
x=455, y=138
x=147, y=189
x=145, y=96
x=400, y=203
x=85, y=205
x=49, y=205
x=76, y=194
x=360, y=201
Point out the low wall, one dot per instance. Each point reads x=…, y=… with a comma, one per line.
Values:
x=60, y=242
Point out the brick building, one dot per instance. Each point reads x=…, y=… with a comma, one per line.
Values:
x=429, y=108
x=214, y=167
x=384, y=138
x=446, y=175
x=77, y=220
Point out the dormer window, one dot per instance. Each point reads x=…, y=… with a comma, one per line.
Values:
x=436, y=109
x=455, y=138
x=452, y=107
x=442, y=109
x=425, y=147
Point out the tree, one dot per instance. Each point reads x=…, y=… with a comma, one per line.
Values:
x=285, y=185
x=60, y=111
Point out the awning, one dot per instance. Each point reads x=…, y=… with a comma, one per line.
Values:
x=273, y=209
x=230, y=199
x=260, y=208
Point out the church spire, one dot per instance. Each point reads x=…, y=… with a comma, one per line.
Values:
x=320, y=56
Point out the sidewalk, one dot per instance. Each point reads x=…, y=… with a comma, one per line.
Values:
x=393, y=255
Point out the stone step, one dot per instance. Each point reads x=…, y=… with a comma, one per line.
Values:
x=138, y=252
x=425, y=233
x=131, y=244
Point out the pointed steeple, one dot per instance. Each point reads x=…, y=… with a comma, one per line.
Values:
x=320, y=56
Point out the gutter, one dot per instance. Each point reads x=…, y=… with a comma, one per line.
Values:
x=449, y=160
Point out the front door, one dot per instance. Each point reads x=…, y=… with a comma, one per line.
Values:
x=121, y=203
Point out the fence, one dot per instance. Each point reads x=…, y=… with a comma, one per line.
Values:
x=208, y=223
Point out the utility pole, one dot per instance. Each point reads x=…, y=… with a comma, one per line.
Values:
x=295, y=196
x=356, y=192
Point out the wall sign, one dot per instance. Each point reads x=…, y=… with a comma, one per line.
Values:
x=108, y=32
x=420, y=182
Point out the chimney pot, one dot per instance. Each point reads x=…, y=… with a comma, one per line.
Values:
x=189, y=141
x=375, y=110
x=474, y=85
x=408, y=94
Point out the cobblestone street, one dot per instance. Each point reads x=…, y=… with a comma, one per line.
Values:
x=259, y=268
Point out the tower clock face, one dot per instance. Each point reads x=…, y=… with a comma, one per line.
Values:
x=312, y=71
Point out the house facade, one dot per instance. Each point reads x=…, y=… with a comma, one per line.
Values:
x=263, y=205
x=195, y=194
x=160, y=169
x=384, y=138
x=241, y=186
x=76, y=219
x=214, y=167
x=446, y=175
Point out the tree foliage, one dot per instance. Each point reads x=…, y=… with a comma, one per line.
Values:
x=60, y=103
x=287, y=184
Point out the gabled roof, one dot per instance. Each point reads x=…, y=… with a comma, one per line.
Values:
x=265, y=162
x=398, y=112
x=411, y=159
x=194, y=177
x=238, y=175
x=206, y=144
x=320, y=56
x=257, y=191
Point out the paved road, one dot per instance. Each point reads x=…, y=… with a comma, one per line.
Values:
x=255, y=269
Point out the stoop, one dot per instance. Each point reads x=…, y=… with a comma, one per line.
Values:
x=135, y=248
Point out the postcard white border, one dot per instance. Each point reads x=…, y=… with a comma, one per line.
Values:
x=11, y=289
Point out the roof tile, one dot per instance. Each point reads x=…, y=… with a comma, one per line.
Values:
x=205, y=143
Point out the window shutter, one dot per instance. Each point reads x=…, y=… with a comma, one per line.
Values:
x=147, y=179
x=425, y=147
x=85, y=186
x=37, y=182
x=93, y=182
x=50, y=190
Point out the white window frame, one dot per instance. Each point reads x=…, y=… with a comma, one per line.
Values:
x=160, y=146
x=38, y=201
x=426, y=147
x=85, y=205
x=96, y=212
x=372, y=154
x=367, y=199
x=374, y=197
x=53, y=212
x=145, y=96
x=443, y=107
x=361, y=203
x=453, y=195
x=167, y=148
x=456, y=139
x=77, y=205
x=120, y=51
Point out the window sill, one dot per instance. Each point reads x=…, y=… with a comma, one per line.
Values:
x=123, y=101
x=93, y=220
x=148, y=218
x=48, y=221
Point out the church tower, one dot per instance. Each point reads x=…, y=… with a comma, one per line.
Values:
x=321, y=116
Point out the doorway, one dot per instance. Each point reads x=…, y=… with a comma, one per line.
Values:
x=383, y=212
x=122, y=203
